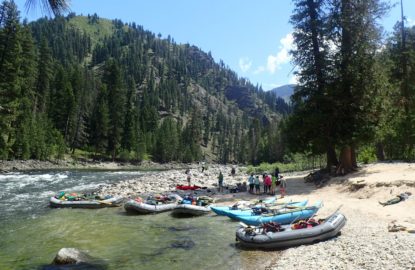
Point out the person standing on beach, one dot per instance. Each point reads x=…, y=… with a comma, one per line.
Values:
x=277, y=172
x=189, y=176
x=220, y=181
x=273, y=184
x=257, y=184
x=264, y=176
x=233, y=171
x=251, y=181
x=268, y=183
x=283, y=186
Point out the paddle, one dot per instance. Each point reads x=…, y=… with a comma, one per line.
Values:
x=301, y=208
x=104, y=202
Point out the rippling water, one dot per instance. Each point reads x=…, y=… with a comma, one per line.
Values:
x=31, y=233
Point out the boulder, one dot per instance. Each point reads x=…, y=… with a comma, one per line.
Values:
x=71, y=256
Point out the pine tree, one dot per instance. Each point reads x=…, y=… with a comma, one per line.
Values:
x=10, y=63
x=313, y=100
x=359, y=41
x=62, y=103
x=27, y=75
x=99, y=125
x=44, y=78
x=116, y=105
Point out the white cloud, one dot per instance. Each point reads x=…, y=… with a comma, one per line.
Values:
x=283, y=56
x=410, y=22
x=293, y=80
x=259, y=70
x=245, y=64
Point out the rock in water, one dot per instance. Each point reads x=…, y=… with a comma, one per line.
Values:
x=74, y=259
x=72, y=256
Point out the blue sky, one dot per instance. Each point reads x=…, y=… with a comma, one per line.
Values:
x=252, y=37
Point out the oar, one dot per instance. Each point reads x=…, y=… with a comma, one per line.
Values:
x=109, y=203
x=244, y=224
x=293, y=210
x=104, y=202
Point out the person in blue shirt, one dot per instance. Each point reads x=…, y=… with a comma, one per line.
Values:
x=251, y=181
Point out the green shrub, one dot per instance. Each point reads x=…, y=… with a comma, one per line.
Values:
x=367, y=154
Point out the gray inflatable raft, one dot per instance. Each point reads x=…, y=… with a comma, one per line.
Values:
x=111, y=202
x=288, y=238
x=190, y=210
x=145, y=208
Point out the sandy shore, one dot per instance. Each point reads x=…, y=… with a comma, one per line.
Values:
x=365, y=242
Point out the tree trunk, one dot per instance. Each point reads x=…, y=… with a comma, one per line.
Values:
x=380, y=152
x=346, y=162
x=353, y=153
x=331, y=158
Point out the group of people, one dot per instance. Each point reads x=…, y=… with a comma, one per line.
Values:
x=270, y=183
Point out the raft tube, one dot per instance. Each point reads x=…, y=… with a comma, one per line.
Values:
x=288, y=238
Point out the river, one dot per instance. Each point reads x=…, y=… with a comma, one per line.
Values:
x=31, y=233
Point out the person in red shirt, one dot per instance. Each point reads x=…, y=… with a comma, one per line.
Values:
x=267, y=183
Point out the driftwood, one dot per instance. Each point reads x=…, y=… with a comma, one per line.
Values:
x=353, y=186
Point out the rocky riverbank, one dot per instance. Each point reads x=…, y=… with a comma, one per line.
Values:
x=25, y=165
x=166, y=181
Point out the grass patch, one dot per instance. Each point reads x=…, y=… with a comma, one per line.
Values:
x=97, y=31
x=293, y=163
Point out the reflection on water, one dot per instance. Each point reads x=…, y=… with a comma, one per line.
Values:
x=30, y=238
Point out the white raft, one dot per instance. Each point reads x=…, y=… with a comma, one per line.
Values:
x=190, y=210
x=133, y=206
x=256, y=238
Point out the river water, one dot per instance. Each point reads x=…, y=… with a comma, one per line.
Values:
x=31, y=233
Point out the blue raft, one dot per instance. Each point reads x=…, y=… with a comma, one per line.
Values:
x=283, y=216
x=236, y=214
x=224, y=210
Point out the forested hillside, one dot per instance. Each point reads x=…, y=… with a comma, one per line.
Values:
x=112, y=90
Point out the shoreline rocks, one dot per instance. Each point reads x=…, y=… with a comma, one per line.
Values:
x=7, y=166
x=166, y=181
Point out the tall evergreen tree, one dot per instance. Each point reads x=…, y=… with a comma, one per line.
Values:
x=311, y=127
x=10, y=64
x=116, y=104
x=358, y=32
x=99, y=126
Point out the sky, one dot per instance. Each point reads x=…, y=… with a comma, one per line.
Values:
x=252, y=37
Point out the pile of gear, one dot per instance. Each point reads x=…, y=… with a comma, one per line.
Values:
x=303, y=224
x=156, y=199
x=63, y=196
x=200, y=201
